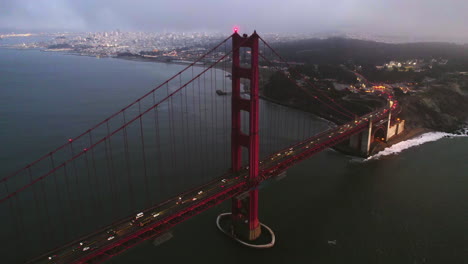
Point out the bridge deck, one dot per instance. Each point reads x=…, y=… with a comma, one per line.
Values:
x=151, y=222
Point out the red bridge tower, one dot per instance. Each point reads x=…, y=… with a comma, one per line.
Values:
x=245, y=225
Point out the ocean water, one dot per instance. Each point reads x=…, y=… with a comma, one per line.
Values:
x=406, y=204
x=405, y=207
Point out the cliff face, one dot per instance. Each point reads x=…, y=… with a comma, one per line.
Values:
x=439, y=108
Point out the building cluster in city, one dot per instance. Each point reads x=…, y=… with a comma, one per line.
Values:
x=380, y=88
x=172, y=46
x=115, y=42
x=416, y=65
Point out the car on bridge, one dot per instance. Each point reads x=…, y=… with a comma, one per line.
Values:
x=138, y=216
x=111, y=234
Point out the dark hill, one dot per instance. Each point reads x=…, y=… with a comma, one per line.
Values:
x=343, y=50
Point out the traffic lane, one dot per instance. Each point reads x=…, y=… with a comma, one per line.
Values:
x=126, y=228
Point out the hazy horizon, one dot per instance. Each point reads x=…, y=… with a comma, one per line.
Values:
x=417, y=19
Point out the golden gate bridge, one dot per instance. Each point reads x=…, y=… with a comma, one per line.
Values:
x=166, y=157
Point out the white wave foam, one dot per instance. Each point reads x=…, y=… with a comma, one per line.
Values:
x=424, y=138
x=463, y=131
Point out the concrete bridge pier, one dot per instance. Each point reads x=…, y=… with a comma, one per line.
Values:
x=361, y=142
x=239, y=225
x=366, y=140
x=388, y=134
x=378, y=132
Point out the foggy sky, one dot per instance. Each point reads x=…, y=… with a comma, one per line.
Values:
x=444, y=19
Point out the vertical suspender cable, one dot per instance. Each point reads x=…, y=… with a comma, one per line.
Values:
x=96, y=182
x=46, y=210
x=89, y=187
x=181, y=132
x=207, y=150
x=75, y=171
x=201, y=149
x=211, y=159
x=216, y=138
x=20, y=222
x=171, y=132
x=36, y=201
x=111, y=173
x=67, y=188
x=188, y=142
x=10, y=202
x=158, y=162
x=144, y=155
x=59, y=199
x=127, y=161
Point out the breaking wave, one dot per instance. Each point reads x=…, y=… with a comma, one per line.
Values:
x=424, y=138
x=463, y=131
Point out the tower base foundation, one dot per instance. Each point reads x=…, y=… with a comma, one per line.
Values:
x=265, y=238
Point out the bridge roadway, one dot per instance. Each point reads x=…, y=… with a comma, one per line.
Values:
x=154, y=221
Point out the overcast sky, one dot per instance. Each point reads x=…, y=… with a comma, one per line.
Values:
x=447, y=19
